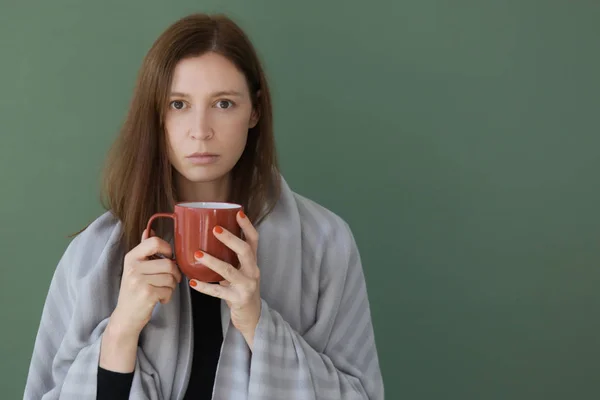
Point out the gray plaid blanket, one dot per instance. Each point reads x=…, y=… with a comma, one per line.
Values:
x=314, y=339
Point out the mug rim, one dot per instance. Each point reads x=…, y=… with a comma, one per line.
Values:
x=206, y=205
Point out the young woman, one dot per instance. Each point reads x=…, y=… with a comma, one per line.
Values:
x=293, y=322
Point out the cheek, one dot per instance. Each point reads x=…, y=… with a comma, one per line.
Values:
x=175, y=130
x=232, y=129
x=235, y=139
x=176, y=126
x=234, y=121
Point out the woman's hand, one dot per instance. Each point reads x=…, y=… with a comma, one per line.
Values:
x=241, y=288
x=143, y=284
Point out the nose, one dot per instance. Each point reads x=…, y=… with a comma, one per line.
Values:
x=201, y=128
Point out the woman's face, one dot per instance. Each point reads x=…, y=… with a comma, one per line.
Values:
x=208, y=116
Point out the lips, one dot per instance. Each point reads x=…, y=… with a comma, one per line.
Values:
x=203, y=158
x=203, y=154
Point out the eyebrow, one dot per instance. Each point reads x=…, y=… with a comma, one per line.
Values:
x=215, y=94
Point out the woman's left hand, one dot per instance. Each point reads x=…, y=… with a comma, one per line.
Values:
x=241, y=287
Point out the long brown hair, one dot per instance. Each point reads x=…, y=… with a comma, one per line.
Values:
x=138, y=177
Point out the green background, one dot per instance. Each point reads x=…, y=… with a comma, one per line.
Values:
x=459, y=139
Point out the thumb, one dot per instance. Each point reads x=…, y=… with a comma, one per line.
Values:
x=145, y=234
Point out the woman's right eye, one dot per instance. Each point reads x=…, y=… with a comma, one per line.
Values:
x=177, y=104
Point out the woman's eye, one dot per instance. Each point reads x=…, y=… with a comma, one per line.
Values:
x=177, y=104
x=225, y=104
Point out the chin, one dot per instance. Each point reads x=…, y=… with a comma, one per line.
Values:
x=204, y=175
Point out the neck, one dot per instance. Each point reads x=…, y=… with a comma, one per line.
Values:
x=217, y=190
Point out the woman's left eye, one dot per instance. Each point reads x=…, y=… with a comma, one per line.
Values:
x=224, y=104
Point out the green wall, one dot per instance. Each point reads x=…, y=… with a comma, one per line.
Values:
x=459, y=139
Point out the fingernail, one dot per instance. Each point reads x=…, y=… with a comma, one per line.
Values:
x=198, y=254
x=218, y=229
x=193, y=283
x=242, y=215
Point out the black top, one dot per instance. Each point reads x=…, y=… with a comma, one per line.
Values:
x=208, y=338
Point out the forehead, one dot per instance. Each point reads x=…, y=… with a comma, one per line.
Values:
x=207, y=73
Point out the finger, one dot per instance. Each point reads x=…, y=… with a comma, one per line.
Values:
x=151, y=246
x=226, y=284
x=243, y=249
x=250, y=233
x=213, y=290
x=161, y=280
x=163, y=294
x=161, y=266
x=145, y=234
x=226, y=270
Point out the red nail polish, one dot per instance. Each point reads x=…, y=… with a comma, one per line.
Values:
x=218, y=229
x=198, y=254
x=193, y=283
x=242, y=215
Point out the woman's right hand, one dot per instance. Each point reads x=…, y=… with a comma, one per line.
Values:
x=144, y=283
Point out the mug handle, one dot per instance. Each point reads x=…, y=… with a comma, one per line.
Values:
x=149, y=227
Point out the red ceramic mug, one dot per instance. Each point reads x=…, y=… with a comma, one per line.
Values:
x=193, y=225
